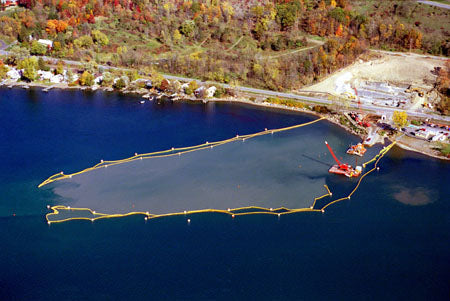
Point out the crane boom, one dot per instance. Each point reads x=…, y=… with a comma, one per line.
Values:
x=334, y=156
x=359, y=101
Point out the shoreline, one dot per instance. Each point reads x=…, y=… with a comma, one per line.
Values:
x=145, y=92
x=411, y=149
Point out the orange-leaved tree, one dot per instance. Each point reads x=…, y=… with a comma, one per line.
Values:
x=56, y=26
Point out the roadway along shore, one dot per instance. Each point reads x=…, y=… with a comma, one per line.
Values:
x=318, y=100
x=433, y=3
x=330, y=117
x=262, y=92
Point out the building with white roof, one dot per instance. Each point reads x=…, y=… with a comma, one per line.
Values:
x=47, y=43
x=14, y=74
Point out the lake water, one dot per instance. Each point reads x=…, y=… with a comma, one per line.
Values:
x=391, y=240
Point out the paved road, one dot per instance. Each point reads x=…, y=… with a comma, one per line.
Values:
x=380, y=110
x=441, y=5
x=318, y=100
x=257, y=91
x=3, y=45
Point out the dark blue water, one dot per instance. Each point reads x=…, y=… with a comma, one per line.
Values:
x=390, y=241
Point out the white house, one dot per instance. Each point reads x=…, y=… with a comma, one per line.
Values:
x=199, y=92
x=210, y=91
x=13, y=74
x=44, y=75
x=47, y=43
x=98, y=80
x=57, y=79
x=47, y=75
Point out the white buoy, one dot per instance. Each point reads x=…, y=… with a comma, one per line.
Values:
x=135, y=154
x=145, y=218
x=146, y=213
x=271, y=209
x=232, y=216
x=189, y=220
x=237, y=136
x=331, y=194
x=68, y=207
x=229, y=209
x=141, y=158
x=184, y=211
x=93, y=212
x=207, y=142
x=349, y=197
x=311, y=207
x=323, y=211
x=101, y=161
x=173, y=148
x=265, y=129
x=106, y=165
x=279, y=215
x=70, y=176
x=378, y=168
x=272, y=132
x=48, y=206
x=48, y=222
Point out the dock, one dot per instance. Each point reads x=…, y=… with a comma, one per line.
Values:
x=372, y=138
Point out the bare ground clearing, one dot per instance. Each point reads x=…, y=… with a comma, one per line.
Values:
x=408, y=69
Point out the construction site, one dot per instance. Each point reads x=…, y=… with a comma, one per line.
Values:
x=383, y=83
x=404, y=82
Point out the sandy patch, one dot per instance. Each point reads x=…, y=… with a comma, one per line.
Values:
x=405, y=69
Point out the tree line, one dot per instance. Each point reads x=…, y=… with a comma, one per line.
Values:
x=226, y=41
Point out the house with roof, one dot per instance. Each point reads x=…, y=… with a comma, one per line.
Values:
x=47, y=43
x=8, y=3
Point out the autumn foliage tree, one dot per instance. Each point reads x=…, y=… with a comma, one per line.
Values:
x=86, y=79
x=400, y=118
x=443, y=86
x=56, y=26
x=235, y=38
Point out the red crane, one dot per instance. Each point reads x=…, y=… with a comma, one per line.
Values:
x=359, y=101
x=360, y=122
x=341, y=166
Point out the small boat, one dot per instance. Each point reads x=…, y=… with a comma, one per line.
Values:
x=357, y=149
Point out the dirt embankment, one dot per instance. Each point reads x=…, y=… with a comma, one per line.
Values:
x=409, y=69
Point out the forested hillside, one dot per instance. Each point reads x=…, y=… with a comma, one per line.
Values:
x=282, y=44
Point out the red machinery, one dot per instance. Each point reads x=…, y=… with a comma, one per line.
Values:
x=343, y=168
x=360, y=122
